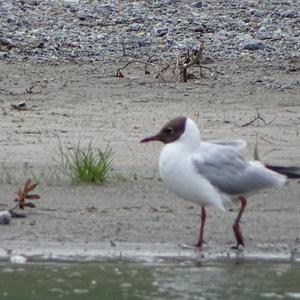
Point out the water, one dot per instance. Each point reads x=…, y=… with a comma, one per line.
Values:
x=176, y=280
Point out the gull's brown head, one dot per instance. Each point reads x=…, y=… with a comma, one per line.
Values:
x=170, y=132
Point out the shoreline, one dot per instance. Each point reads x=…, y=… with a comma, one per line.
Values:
x=136, y=252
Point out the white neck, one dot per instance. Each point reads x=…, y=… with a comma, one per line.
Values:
x=191, y=137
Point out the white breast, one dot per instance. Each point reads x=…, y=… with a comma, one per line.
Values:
x=177, y=171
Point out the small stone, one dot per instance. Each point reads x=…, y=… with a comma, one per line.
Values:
x=289, y=14
x=199, y=28
x=120, y=20
x=254, y=45
x=159, y=32
x=257, y=13
x=189, y=43
x=198, y=4
x=5, y=44
x=142, y=42
x=18, y=259
x=21, y=105
x=82, y=18
x=3, y=55
x=5, y=217
x=108, y=8
x=11, y=19
x=134, y=27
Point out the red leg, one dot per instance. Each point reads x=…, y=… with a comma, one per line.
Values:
x=203, y=217
x=236, y=225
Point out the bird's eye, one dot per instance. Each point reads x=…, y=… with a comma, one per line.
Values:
x=169, y=130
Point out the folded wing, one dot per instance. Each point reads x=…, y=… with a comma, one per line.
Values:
x=228, y=172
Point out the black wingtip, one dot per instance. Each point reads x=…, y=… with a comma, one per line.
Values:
x=290, y=172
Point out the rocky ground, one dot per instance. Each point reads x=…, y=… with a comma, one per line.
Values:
x=94, y=31
x=61, y=57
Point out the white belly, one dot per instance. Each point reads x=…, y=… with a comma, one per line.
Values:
x=181, y=178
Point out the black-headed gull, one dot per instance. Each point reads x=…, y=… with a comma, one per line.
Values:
x=212, y=173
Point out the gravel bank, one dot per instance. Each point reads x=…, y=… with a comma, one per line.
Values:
x=91, y=31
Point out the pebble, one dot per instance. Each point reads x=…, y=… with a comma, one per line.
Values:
x=5, y=217
x=289, y=14
x=18, y=259
x=159, y=31
x=3, y=55
x=254, y=45
x=135, y=27
x=198, y=4
x=91, y=31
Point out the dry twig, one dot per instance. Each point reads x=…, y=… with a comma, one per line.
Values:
x=119, y=73
x=258, y=118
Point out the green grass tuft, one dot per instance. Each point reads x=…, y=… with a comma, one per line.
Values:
x=86, y=165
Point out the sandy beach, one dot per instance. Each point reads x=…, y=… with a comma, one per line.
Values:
x=133, y=212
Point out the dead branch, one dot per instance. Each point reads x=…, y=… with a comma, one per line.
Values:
x=183, y=59
x=187, y=60
x=159, y=74
x=150, y=61
x=196, y=57
x=178, y=70
x=119, y=73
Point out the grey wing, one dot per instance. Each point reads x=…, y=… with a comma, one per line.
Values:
x=227, y=170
